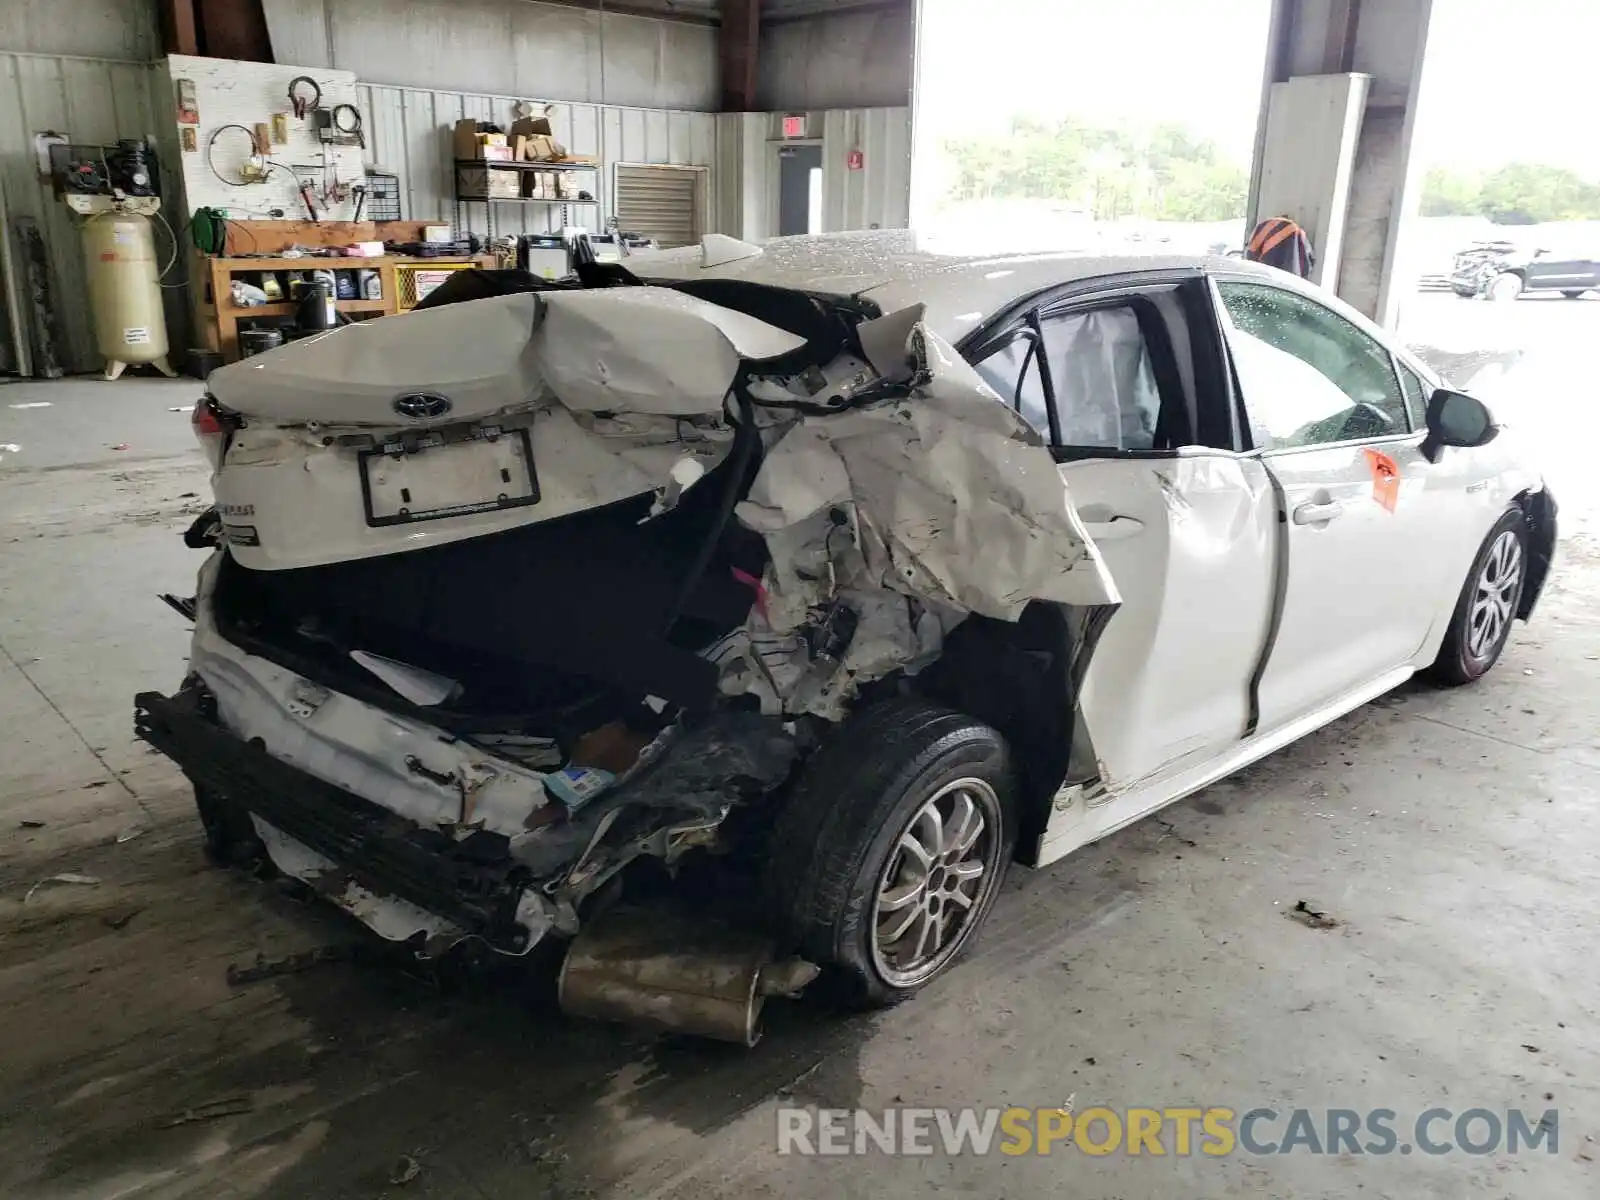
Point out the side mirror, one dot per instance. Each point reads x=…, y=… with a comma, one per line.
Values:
x=1456, y=419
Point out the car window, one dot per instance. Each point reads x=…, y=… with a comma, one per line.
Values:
x=1416, y=396
x=1309, y=376
x=1013, y=372
x=1103, y=379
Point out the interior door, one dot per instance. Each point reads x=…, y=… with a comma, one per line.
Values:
x=1186, y=530
x=799, y=189
x=1325, y=408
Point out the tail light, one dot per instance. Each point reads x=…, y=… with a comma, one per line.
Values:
x=210, y=430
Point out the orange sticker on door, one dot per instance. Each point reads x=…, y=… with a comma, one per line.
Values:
x=1385, y=478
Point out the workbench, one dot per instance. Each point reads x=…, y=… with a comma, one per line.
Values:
x=217, y=317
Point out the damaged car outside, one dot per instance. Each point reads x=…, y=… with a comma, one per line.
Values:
x=837, y=572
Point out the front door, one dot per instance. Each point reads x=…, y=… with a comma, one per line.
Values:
x=1327, y=413
x=799, y=190
x=1186, y=528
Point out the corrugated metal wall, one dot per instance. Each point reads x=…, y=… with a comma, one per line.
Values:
x=93, y=100
x=837, y=59
x=877, y=194
x=510, y=47
x=408, y=133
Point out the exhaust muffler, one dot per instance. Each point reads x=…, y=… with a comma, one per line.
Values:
x=667, y=970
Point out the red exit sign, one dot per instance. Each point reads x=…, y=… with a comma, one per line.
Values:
x=794, y=126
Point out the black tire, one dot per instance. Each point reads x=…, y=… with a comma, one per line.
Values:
x=230, y=837
x=1505, y=286
x=1573, y=295
x=1457, y=663
x=841, y=831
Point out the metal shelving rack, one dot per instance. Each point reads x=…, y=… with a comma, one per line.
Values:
x=464, y=198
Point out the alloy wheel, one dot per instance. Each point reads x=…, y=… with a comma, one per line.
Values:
x=1495, y=596
x=936, y=883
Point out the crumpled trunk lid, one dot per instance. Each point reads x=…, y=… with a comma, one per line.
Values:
x=616, y=350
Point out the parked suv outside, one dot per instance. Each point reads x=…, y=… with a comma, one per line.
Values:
x=1503, y=271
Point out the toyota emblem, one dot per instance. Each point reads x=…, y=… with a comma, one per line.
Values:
x=422, y=406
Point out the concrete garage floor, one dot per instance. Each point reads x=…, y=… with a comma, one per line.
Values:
x=1451, y=834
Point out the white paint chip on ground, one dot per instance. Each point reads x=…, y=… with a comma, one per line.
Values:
x=33, y=404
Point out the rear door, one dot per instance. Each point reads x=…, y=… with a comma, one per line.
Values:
x=1326, y=410
x=1125, y=381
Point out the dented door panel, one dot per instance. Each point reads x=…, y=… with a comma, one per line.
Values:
x=1190, y=542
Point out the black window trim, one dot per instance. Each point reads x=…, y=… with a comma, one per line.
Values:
x=1129, y=290
x=1226, y=324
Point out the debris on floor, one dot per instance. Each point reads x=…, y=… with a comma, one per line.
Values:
x=292, y=964
x=231, y=1106
x=1310, y=917
x=30, y=824
x=127, y=835
x=405, y=1170
x=33, y=404
x=66, y=877
x=119, y=920
x=120, y=446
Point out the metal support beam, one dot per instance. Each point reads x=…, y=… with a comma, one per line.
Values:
x=1384, y=40
x=179, y=30
x=739, y=41
x=234, y=29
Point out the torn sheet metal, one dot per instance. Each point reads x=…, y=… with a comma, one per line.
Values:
x=958, y=500
x=648, y=350
x=390, y=917
x=912, y=512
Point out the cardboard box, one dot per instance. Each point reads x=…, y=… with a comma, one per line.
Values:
x=471, y=144
x=534, y=140
x=465, y=139
x=538, y=147
x=567, y=184
x=485, y=181
x=540, y=185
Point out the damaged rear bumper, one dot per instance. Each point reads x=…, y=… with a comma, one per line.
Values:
x=363, y=857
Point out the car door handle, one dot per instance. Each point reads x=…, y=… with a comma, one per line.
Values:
x=1113, y=528
x=1317, y=513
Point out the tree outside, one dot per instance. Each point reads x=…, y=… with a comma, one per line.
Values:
x=1162, y=172
x=1519, y=193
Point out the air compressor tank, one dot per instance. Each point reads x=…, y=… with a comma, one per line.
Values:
x=119, y=250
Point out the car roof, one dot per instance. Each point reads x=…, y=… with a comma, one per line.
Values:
x=896, y=268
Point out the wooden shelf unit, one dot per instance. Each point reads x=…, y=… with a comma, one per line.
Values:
x=217, y=320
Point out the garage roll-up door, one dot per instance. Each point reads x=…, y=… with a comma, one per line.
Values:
x=660, y=202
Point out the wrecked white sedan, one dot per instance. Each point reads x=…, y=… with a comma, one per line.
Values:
x=837, y=569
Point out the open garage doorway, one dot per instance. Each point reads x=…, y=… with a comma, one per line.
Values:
x=1079, y=125
x=1501, y=258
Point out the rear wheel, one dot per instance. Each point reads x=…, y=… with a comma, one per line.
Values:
x=890, y=851
x=1481, y=623
x=1505, y=287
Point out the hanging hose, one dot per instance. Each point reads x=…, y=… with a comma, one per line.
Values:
x=209, y=229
